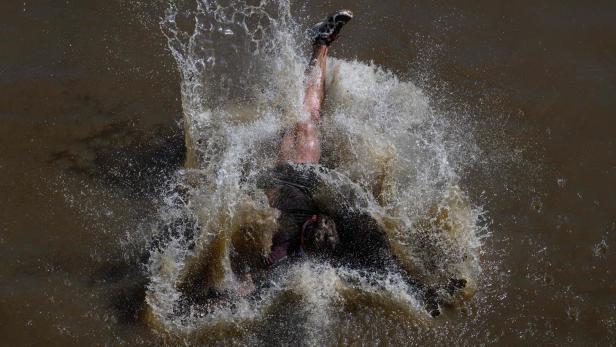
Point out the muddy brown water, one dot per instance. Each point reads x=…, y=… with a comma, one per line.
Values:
x=89, y=112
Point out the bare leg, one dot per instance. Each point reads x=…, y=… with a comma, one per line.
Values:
x=300, y=143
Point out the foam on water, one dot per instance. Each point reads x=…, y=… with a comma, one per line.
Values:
x=242, y=72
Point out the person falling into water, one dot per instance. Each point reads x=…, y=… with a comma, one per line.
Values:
x=304, y=228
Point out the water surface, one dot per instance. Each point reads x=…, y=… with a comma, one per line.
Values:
x=90, y=110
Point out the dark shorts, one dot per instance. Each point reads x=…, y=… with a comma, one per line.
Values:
x=294, y=186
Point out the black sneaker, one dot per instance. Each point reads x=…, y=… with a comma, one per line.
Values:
x=327, y=31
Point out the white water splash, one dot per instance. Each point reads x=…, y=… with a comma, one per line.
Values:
x=242, y=76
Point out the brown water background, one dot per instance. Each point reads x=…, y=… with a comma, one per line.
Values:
x=89, y=112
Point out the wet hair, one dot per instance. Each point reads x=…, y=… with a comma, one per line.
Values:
x=321, y=235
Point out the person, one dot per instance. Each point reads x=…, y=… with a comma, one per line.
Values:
x=303, y=227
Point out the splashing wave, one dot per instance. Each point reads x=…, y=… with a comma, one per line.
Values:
x=242, y=72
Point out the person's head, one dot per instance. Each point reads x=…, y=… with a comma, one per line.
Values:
x=320, y=234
